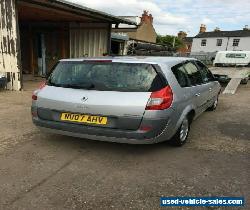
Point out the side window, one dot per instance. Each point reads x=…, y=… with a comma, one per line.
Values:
x=206, y=74
x=181, y=75
x=193, y=73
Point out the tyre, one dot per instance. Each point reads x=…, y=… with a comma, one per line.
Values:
x=214, y=106
x=181, y=135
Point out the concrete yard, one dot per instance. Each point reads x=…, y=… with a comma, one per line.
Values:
x=236, y=74
x=232, y=72
x=45, y=171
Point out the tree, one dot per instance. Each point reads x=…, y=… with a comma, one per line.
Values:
x=171, y=41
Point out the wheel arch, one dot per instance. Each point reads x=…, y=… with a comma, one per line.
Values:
x=189, y=111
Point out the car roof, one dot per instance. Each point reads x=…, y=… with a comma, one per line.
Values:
x=169, y=61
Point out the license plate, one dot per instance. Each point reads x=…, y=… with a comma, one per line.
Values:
x=82, y=118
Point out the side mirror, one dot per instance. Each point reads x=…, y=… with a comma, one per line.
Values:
x=215, y=79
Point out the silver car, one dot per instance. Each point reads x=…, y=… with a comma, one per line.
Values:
x=140, y=100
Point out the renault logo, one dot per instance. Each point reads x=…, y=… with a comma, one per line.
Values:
x=84, y=99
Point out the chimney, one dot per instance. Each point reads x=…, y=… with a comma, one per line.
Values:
x=217, y=29
x=203, y=28
x=246, y=28
x=182, y=34
x=146, y=18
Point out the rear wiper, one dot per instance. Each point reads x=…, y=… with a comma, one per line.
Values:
x=79, y=86
x=54, y=84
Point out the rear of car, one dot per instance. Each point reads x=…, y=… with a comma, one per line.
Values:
x=127, y=100
x=108, y=100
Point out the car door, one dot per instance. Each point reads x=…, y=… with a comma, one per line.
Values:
x=199, y=90
x=208, y=81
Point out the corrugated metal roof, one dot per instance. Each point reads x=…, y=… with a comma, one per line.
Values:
x=119, y=36
x=110, y=18
x=135, y=19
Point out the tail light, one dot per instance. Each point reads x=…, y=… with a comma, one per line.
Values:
x=145, y=128
x=40, y=87
x=161, y=99
x=34, y=96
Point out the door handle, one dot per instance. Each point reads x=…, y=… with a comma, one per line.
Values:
x=197, y=94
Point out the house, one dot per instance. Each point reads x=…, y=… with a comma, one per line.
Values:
x=144, y=31
x=217, y=40
x=34, y=34
x=124, y=37
x=187, y=41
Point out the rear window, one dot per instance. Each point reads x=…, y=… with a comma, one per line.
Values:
x=107, y=76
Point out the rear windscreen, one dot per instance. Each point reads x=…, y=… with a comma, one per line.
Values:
x=107, y=76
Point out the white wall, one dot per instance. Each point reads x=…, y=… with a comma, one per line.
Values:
x=244, y=43
x=227, y=44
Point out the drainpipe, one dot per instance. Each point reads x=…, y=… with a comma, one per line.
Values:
x=227, y=43
x=109, y=39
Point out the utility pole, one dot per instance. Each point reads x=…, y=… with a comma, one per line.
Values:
x=227, y=43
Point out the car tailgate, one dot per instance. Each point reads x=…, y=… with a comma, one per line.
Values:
x=124, y=110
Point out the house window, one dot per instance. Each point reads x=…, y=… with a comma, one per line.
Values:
x=203, y=42
x=219, y=42
x=236, y=42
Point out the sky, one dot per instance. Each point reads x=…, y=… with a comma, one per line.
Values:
x=171, y=16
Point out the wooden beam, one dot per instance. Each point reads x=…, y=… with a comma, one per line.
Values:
x=62, y=43
x=31, y=53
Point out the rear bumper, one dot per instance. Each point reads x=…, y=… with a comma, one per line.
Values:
x=105, y=134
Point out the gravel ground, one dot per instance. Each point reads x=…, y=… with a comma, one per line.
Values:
x=45, y=171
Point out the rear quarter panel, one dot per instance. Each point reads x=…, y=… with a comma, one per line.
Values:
x=182, y=99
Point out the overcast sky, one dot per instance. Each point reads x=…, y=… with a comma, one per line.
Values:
x=171, y=16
